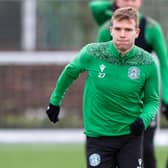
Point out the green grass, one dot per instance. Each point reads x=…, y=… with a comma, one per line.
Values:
x=52, y=156
x=161, y=156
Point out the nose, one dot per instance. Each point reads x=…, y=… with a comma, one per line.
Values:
x=122, y=33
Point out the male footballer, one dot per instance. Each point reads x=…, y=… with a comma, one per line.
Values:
x=114, y=113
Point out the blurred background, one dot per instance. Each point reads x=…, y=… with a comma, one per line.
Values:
x=37, y=39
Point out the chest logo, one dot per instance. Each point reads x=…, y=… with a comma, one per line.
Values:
x=133, y=73
x=101, y=73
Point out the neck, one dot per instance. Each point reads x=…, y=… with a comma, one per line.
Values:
x=124, y=52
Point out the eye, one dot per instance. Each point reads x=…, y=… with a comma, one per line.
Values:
x=117, y=28
x=128, y=29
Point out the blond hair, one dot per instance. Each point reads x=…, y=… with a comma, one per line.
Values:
x=126, y=13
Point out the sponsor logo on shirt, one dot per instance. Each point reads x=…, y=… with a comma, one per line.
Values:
x=101, y=74
x=133, y=73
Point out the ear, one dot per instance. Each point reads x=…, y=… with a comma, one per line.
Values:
x=111, y=29
x=137, y=32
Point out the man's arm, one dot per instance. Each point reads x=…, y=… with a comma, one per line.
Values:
x=101, y=10
x=104, y=32
x=155, y=38
x=66, y=78
x=68, y=75
x=164, y=107
x=151, y=95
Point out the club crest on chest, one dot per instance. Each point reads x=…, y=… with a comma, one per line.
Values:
x=133, y=72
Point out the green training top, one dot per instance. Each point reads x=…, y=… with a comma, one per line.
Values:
x=113, y=90
x=154, y=37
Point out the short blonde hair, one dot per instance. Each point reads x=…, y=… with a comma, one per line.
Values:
x=126, y=13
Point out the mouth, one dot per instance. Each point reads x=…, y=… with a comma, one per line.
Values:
x=122, y=41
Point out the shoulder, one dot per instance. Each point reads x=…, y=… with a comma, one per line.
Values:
x=97, y=47
x=100, y=50
x=94, y=49
x=106, y=25
x=152, y=23
x=143, y=57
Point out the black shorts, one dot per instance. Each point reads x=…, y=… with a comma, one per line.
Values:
x=112, y=152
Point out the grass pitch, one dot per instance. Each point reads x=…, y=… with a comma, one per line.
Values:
x=53, y=156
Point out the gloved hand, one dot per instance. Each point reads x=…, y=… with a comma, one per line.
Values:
x=52, y=112
x=164, y=109
x=137, y=127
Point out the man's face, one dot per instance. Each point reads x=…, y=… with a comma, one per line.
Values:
x=129, y=3
x=124, y=33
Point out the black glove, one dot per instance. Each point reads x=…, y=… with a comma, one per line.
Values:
x=164, y=110
x=52, y=112
x=137, y=127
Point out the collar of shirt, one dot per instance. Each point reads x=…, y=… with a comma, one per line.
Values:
x=116, y=53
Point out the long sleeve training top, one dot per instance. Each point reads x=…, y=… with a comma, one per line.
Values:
x=113, y=90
